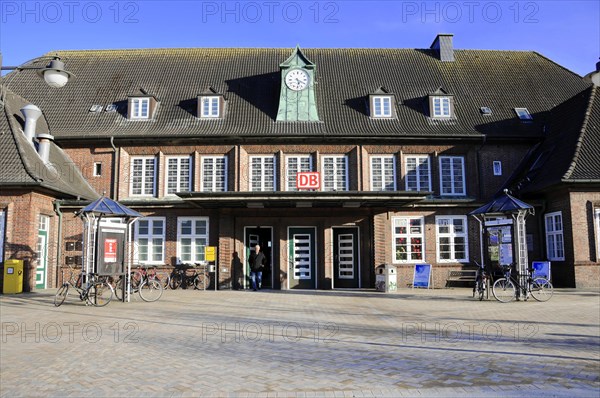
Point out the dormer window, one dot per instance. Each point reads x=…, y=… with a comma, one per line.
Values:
x=141, y=107
x=381, y=104
x=523, y=114
x=210, y=107
x=441, y=107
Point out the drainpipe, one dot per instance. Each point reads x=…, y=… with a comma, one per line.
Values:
x=59, y=243
x=479, y=168
x=115, y=168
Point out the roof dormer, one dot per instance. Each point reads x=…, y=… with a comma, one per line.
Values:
x=211, y=104
x=141, y=106
x=382, y=104
x=441, y=104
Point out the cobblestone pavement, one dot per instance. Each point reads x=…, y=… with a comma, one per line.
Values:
x=302, y=344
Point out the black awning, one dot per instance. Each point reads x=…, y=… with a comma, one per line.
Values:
x=302, y=199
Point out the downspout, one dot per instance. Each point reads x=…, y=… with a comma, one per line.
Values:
x=115, y=168
x=479, y=167
x=59, y=240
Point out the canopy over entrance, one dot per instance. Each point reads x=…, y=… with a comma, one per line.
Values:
x=108, y=207
x=503, y=204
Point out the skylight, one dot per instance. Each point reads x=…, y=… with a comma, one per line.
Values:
x=523, y=114
x=96, y=108
x=485, y=110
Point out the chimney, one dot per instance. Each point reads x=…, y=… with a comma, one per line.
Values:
x=44, y=146
x=31, y=113
x=443, y=46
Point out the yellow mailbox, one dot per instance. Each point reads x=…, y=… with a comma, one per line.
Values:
x=13, y=276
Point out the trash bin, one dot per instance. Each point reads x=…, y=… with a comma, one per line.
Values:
x=13, y=276
x=385, y=278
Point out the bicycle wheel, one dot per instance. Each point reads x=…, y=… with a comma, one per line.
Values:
x=200, y=282
x=164, y=280
x=175, y=281
x=541, y=289
x=504, y=290
x=136, y=280
x=100, y=294
x=151, y=290
x=480, y=290
x=61, y=294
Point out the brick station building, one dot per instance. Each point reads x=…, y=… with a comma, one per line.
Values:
x=206, y=143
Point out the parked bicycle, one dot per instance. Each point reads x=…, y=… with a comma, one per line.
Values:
x=505, y=289
x=482, y=282
x=142, y=281
x=180, y=277
x=95, y=291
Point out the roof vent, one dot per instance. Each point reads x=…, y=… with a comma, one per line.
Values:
x=31, y=113
x=485, y=110
x=443, y=45
x=44, y=146
x=111, y=108
x=96, y=108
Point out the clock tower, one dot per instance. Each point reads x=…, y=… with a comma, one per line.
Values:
x=297, y=98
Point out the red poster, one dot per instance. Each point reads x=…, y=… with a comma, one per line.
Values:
x=110, y=250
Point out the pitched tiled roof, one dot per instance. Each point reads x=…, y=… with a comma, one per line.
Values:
x=571, y=150
x=250, y=80
x=22, y=167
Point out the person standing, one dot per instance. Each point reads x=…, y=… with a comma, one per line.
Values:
x=257, y=261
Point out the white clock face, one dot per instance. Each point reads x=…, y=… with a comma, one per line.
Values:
x=296, y=79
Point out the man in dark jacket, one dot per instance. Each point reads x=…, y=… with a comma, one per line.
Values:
x=257, y=261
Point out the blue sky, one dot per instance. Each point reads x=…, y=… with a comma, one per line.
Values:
x=568, y=32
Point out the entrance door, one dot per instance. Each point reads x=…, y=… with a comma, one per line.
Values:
x=42, y=252
x=302, y=258
x=345, y=258
x=262, y=236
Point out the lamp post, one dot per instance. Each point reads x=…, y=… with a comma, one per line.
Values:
x=54, y=74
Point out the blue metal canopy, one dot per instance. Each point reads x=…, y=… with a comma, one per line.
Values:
x=109, y=207
x=505, y=203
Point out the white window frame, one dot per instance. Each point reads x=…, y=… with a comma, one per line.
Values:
x=555, y=241
x=261, y=172
x=96, y=172
x=290, y=174
x=417, y=172
x=210, y=112
x=451, y=235
x=336, y=177
x=381, y=101
x=408, y=235
x=195, y=256
x=381, y=186
x=441, y=107
x=143, y=176
x=454, y=192
x=179, y=182
x=2, y=232
x=150, y=236
x=497, y=167
x=597, y=220
x=214, y=175
x=137, y=108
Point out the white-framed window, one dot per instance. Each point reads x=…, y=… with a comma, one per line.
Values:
x=214, y=174
x=409, y=239
x=452, y=175
x=143, y=176
x=210, y=107
x=97, y=169
x=179, y=174
x=150, y=240
x=554, y=236
x=192, y=238
x=382, y=106
x=140, y=108
x=2, y=223
x=597, y=220
x=294, y=165
x=335, y=173
x=497, y=165
x=452, y=239
x=418, y=173
x=383, y=173
x=441, y=107
x=262, y=173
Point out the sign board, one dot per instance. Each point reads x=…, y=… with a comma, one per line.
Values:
x=308, y=180
x=502, y=221
x=541, y=269
x=210, y=253
x=422, y=275
x=110, y=250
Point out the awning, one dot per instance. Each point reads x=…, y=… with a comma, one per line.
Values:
x=110, y=208
x=503, y=204
x=302, y=199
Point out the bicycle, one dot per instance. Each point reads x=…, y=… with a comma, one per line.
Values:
x=482, y=282
x=505, y=289
x=144, y=282
x=98, y=292
x=180, y=277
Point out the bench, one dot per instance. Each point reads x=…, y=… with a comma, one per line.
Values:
x=464, y=275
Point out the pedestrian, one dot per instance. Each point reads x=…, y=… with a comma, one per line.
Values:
x=257, y=261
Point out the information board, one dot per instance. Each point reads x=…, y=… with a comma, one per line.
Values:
x=422, y=275
x=541, y=269
x=210, y=253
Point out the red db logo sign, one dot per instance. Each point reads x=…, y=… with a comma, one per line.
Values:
x=308, y=180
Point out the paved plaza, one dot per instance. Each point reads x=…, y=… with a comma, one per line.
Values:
x=302, y=344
